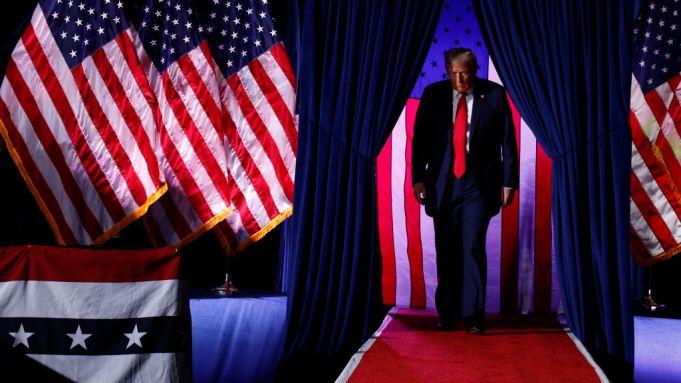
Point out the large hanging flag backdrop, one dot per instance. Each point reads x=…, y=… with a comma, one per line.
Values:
x=105, y=101
x=521, y=271
x=655, y=119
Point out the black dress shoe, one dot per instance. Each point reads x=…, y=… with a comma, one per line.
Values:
x=445, y=326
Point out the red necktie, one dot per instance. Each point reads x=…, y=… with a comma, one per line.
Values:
x=459, y=136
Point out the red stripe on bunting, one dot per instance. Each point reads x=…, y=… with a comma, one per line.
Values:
x=42, y=263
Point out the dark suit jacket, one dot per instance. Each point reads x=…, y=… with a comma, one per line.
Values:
x=493, y=153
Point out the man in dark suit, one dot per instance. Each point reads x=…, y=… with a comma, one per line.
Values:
x=464, y=168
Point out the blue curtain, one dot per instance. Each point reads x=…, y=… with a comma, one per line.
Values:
x=357, y=61
x=566, y=65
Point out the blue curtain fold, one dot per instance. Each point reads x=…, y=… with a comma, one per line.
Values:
x=357, y=61
x=567, y=67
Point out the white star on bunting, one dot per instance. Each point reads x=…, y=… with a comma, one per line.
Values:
x=78, y=338
x=21, y=336
x=135, y=337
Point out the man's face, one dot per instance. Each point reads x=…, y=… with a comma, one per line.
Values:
x=460, y=75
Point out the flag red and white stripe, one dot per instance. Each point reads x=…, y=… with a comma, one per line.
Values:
x=655, y=208
x=521, y=271
x=184, y=81
x=192, y=138
x=655, y=118
x=98, y=115
x=244, y=93
x=261, y=143
x=83, y=138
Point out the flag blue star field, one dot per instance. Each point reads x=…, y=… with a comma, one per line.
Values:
x=91, y=316
x=520, y=267
x=655, y=119
x=109, y=106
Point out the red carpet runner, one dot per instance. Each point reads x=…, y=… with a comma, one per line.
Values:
x=408, y=349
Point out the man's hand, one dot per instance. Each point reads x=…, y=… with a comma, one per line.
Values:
x=420, y=192
x=506, y=196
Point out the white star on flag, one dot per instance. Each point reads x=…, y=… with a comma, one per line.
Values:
x=78, y=338
x=21, y=336
x=135, y=337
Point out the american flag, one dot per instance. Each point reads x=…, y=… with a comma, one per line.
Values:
x=100, y=107
x=92, y=316
x=179, y=69
x=78, y=119
x=257, y=91
x=521, y=268
x=655, y=118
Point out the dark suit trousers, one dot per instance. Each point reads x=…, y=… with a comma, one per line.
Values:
x=460, y=240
